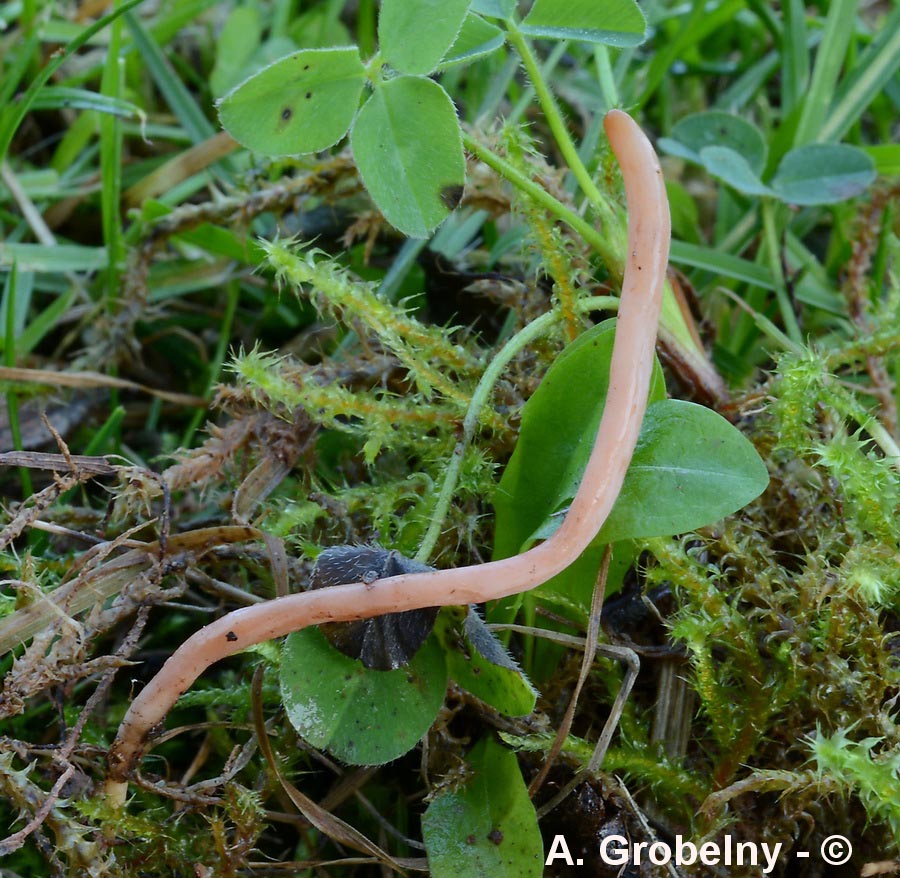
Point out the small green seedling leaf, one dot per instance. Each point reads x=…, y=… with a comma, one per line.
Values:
x=732, y=168
x=408, y=148
x=823, y=173
x=494, y=8
x=480, y=664
x=477, y=38
x=360, y=716
x=613, y=22
x=715, y=128
x=486, y=826
x=302, y=103
x=415, y=34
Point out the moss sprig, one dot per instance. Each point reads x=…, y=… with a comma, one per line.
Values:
x=427, y=351
x=279, y=384
x=858, y=767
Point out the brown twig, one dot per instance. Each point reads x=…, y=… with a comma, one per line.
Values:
x=13, y=842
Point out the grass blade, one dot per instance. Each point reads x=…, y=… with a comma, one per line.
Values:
x=17, y=111
x=723, y=264
x=177, y=96
x=871, y=74
x=839, y=28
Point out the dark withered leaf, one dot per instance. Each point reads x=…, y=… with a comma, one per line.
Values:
x=383, y=643
x=482, y=639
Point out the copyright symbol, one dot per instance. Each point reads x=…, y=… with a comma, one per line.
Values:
x=836, y=850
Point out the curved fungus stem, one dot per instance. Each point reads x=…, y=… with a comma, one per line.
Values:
x=630, y=371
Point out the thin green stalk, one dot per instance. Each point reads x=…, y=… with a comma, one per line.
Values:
x=601, y=245
x=561, y=134
x=773, y=250
x=605, y=76
x=233, y=293
x=111, y=163
x=108, y=429
x=527, y=96
x=9, y=355
x=671, y=318
x=480, y=399
x=365, y=27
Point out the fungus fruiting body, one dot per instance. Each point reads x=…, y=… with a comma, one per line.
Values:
x=630, y=372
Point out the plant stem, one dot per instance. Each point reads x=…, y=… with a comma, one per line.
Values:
x=773, y=251
x=605, y=75
x=610, y=256
x=9, y=355
x=560, y=133
x=480, y=398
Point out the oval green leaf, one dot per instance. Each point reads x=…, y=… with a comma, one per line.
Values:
x=302, y=103
x=692, y=134
x=360, y=716
x=613, y=22
x=408, y=148
x=823, y=173
x=415, y=34
x=690, y=468
x=732, y=168
x=236, y=45
x=559, y=424
x=477, y=38
x=487, y=826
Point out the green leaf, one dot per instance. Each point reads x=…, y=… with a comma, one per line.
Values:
x=690, y=468
x=613, y=22
x=559, y=424
x=58, y=97
x=178, y=96
x=693, y=133
x=362, y=717
x=408, y=148
x=415, y=34
x=873, y=70
x=823, y=173
x=494, y=8
x=732, y=168
x=720, y=263
x=487, y=826
x=236, y=45
x=302, y=103
x=840, y=25
x=886, y=157
x=478, y=662
x=319, y=27
x=55, y=259
x=12, y=114
x=476, y=38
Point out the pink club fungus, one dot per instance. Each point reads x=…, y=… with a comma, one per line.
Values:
x=630, y=371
